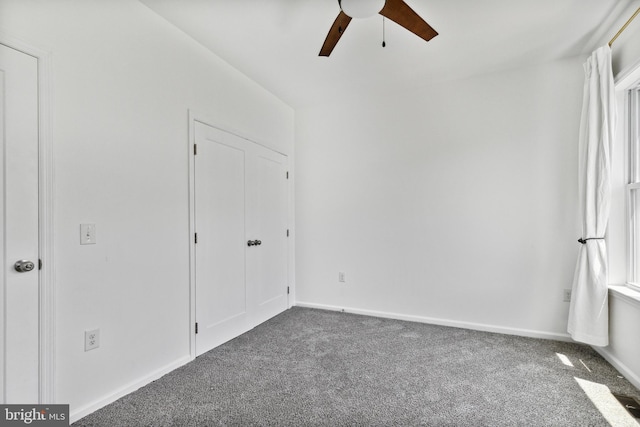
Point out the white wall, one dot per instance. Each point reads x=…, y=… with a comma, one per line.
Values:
x=626, y=48
x=623, y=349
x=123, y=80
x=455, y=204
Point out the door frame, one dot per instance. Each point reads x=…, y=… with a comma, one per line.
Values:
x=193, y=117
x=47, y=307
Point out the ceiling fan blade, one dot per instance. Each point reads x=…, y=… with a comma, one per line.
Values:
x=336, y=31
x=400, y=13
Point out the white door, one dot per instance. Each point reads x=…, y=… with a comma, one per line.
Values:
x=267, y=222
x=220, y=205
x=241, y=224
x=19, y=352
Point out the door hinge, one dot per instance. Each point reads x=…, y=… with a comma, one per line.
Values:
x=196, y=327
x=196, y=238
x=287, y=232
x=287, y=174
x=39, y=264
x=195, y=149
x=287, y=290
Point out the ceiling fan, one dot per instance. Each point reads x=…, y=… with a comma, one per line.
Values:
x=396, y=10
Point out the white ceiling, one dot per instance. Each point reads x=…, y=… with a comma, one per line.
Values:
x=276, y=42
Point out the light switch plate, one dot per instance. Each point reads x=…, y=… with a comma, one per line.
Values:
x=87, y=234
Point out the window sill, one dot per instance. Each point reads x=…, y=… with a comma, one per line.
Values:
x=626, y=293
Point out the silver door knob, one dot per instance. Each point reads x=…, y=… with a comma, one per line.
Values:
x=24, y=266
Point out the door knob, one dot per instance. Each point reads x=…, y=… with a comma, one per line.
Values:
x=252, y=243
x=24, y=266
x=258, y=242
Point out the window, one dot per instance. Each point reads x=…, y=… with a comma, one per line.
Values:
x=633, y=188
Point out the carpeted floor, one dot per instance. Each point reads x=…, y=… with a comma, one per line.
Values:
x=311, y=367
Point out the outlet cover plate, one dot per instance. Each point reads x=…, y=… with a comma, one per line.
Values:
x=91, y=339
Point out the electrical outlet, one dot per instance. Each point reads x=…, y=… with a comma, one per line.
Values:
x=566, y=295
x=91, y=339
x=341, y=277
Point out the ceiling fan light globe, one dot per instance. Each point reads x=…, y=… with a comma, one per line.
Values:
x=361, y=8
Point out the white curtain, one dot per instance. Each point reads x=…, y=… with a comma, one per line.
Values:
x=589, y=309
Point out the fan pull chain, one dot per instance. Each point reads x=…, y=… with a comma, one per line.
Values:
x=383, y=37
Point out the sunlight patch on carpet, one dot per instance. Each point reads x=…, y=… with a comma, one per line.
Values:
x=564, y=359
x=607, y=404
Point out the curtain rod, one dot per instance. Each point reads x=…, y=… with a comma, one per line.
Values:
x=624, y=27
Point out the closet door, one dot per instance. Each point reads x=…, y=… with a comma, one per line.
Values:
x=241, y=201
x=220, y=206
x=267, y=223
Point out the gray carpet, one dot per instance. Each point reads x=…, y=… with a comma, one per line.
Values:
x=311, y=367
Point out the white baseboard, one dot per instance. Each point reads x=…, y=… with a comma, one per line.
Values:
x=632, y=377
x=75, y=415
x=443, y=322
